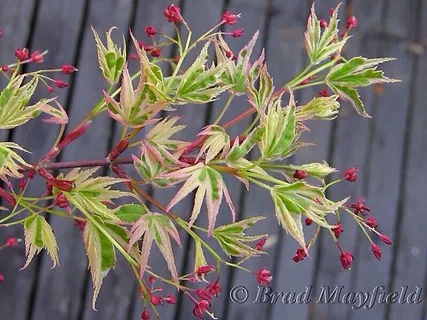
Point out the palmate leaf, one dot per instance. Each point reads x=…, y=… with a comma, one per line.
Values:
x=111, y=58
x=101, y=256
x=321, y=45
x=209, y=185
x=356, y=72
x=156, y=227
x=201, y=85
x=291, y=201
x=279, y=130
x=238, y=73
x=320, y=108
x=136, y=107
x=232, y=238
x=130, y=212
x=217, y=143
x=91, y=192
x=10, y=161
x=39, y=236
x=260, y=97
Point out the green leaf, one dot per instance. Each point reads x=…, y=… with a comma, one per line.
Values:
x=321, y=45
x=351, y=95
x=321, y=108
x=39, y=236
x=130, y=212
x=10, y=162
x=101, y=256
x=232, y=238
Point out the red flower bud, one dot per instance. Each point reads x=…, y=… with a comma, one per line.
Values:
x=323, y=93
x=44, y=174
x=60, y=84
x=155, y=53
x=75, y=134
x=346, y=259
x=146, y=47
x=376, y=250
x=308, y=221
x=7, y=197
x=323, y=24
x=200, y=307
x=214, y=288
x=150, y=31
x=2, y=278
x=145, y=315
x=371, y=222
x=176, y=59
x=300, y=254
x=36, y=57
x=63, y=185
x=338, y=230
x=300, y=174
x=359, y=207
x=351, y=22
x=151, y=279
x=170, y=299
x=156, y=300
x=386, y=239
x=22, y=184
x=238, y=33
x=21, y=54
x=263, y=276
x=61, y=200
x=350, y=174
x=231, y=55
x=260, y=244
x=204, y=269
x=50, y=89
x=11, y=242
x=203, y=294
x=4, y=68
x=68, y=69
x=119, y=148
x=229, y=18
x=173, y=13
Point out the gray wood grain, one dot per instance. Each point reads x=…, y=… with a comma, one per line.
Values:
x=284, y=60
x=36, y=135
x=15, y=291
x=410, y=259
x=387, y=142
x=349, y=149
x=299, y=275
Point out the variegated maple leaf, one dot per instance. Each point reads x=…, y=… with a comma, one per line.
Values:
x=111, y=58
x=39, y=236
x=217, y=142
x=294, y=200
x=238, y=72
x=159, y=228
x=90, y=193
x=209, y=185
x=158, y=151
x=200, y=84
x=10, y=161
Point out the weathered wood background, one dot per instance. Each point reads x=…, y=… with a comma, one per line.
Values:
x=390, y=149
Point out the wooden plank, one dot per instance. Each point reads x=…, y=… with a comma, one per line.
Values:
x=151, y=13
x=349, y=149
x=410, y=242
x=284, y=59
x=114, y=299
x=38, y=136
x=15, y=18
x=387, y=141
x=299, y=275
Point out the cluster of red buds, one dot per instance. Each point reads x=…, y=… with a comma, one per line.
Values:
x=156, y=299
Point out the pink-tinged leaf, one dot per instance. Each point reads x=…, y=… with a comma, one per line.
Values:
x=213, y=202
x=230, y=203
x=147, y=243
x=198, y=201
x=165, y=248
x=59, y=116
x=192, y=183
x=127, y=95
